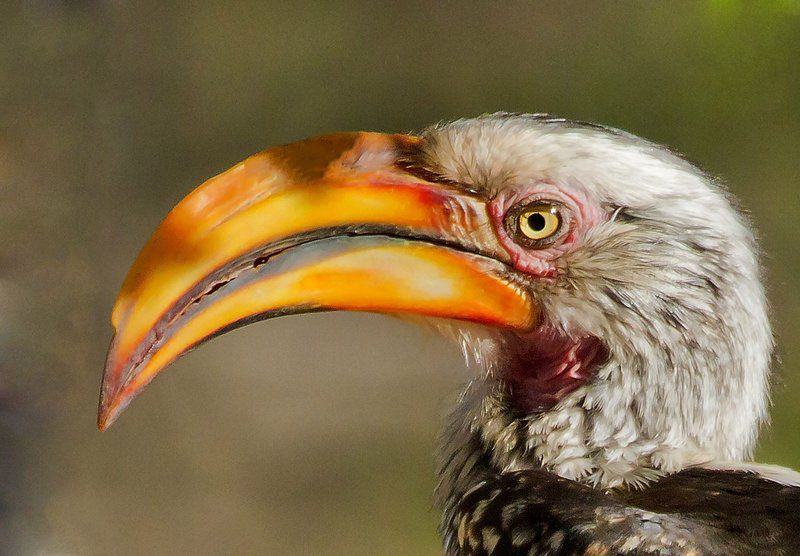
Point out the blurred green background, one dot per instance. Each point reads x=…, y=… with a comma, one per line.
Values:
x=312, y=434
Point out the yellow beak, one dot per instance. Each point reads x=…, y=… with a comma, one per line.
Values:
x=332, y=223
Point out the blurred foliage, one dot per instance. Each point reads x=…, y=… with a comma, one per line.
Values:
x=312, y=434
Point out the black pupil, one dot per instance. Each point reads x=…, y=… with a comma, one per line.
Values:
x=536, y=221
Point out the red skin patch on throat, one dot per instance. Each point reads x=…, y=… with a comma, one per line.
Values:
x=543, y=366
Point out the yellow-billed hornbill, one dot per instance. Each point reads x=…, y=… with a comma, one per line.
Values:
x=608, y=289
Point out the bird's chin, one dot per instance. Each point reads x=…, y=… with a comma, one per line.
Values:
x=538, y=367
x=544, y=365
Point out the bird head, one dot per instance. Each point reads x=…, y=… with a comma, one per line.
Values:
x=608, y=289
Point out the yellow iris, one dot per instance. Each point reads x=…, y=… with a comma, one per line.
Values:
x=539, y=221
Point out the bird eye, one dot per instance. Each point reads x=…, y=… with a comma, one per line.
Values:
x=535, y=225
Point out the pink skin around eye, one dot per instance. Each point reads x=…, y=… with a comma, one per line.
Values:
x=580, y=214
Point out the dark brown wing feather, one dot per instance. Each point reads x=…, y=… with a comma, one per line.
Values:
x=692, y=512
x=757, y=513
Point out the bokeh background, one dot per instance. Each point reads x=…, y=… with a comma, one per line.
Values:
x=312, y=434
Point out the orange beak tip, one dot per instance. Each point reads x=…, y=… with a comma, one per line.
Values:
x=108, y=413
x=103, y=423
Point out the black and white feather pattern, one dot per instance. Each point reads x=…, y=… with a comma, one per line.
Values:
x=695, y=511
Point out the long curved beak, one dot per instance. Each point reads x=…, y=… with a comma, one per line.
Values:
x=332, y=223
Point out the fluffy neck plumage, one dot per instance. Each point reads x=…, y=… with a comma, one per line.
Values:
x=628, y=420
